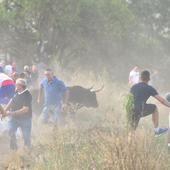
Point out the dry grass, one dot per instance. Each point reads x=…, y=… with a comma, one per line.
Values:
x=97, y=139
x=102, y=148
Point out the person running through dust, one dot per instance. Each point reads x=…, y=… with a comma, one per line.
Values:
x=54, y=91
x=134, y=76
x=141, y=93
x=19, y=111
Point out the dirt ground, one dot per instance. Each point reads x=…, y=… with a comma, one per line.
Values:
x=4, y=151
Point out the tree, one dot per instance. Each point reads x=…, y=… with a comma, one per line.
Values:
x=77, y=30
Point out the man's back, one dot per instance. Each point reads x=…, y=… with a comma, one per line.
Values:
x=141, y=93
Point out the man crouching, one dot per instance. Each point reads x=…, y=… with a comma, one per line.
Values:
x=19, y=111
x=141, y=93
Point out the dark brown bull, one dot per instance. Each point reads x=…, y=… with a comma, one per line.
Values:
x=82, y=97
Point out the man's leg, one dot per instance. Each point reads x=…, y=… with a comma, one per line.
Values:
x=155, y=118
x=13, y=125
x=57, y=115
x=135, y=121
x=151, y=109
x=26, y=126
x=45, y=114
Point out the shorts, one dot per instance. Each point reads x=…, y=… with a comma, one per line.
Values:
x=147, y=110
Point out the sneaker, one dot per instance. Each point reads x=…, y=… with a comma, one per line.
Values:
x=161, y=131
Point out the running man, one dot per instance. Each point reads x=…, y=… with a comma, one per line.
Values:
x=19, y=111
x=134, y=76
x=141, y=92
x=54, y=91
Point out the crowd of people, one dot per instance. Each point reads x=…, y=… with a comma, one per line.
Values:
x=18, y=109
x=29, y=73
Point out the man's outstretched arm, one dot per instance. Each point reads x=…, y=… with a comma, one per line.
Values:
x=162, y=100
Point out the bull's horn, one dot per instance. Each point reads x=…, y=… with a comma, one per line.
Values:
x=91, y=87
x=98, y=90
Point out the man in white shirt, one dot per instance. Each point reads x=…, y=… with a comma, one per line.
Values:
x=134, y=76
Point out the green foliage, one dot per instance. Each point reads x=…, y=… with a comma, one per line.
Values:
x=128, y=106
x=71, y=29
x=84, y=33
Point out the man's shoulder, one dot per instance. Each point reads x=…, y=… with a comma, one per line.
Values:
x=137, y=85
x=151, y=87
x=58, y=81
x=27, y=93
x=144, y=85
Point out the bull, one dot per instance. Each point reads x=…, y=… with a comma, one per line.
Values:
x=79, y=97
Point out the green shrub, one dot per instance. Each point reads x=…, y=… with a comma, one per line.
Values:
x=128, y=106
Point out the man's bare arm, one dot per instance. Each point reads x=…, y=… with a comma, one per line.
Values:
x=21, y=111
x=162, y=100
x=24, y=109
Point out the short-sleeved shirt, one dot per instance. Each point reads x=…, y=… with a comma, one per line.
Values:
x=19, y=101
x=141, y=93
x=134, y=77
x=53, y=91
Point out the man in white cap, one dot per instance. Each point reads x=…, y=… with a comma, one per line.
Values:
x=19, y=110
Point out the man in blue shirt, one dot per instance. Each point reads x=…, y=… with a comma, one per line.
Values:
x=54, y=91
x=141, y=93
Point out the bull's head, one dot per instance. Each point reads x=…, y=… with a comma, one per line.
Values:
x=92, y=102
x=83, y=96
x=97, y=90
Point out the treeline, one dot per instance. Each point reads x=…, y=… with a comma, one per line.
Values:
x=88, y=34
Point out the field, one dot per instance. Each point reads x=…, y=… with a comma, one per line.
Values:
x=96, y=140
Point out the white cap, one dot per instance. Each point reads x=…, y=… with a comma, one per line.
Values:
x=26, y=68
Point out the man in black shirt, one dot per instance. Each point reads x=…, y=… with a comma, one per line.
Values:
x=141, y=93
x=19, y=110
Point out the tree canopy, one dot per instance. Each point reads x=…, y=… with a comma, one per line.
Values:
x=86, y=33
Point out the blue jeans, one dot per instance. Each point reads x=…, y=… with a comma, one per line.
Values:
x=53, y=112
x=25, y=125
